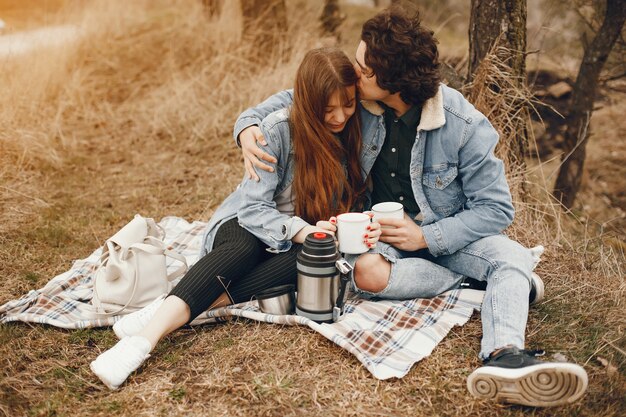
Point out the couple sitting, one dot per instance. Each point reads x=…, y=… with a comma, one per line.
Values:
x=385, y=121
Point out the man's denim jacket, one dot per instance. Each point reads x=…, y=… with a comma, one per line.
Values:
x=253, y=203
x=458, y=183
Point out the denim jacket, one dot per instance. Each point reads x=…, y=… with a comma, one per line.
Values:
x=458, y=183
x=253, y=203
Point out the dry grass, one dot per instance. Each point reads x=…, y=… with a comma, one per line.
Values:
x=136, y=117
x=163, y=75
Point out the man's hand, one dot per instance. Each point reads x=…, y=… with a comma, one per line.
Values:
x=403, y=234
x=252, y=154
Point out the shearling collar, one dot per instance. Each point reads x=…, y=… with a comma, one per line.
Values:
x=433, y=116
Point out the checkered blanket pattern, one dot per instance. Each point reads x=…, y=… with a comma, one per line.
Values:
x=387, y=337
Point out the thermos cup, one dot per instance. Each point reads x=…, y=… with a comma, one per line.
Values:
x=318, y=277
x=278, y=300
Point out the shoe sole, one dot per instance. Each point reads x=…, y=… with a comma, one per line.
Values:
x=542, y=385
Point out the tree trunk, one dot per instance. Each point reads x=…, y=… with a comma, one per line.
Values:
x=212, y=8
x=581, y=107
x=331, y=18
x=499, y=27
x=264, y=25
x=503, y=20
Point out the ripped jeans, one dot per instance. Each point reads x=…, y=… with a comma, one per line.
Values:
x=503, y=263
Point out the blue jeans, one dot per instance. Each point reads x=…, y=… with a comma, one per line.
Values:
x=503, y=263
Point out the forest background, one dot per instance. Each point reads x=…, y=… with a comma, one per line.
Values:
x=125, y=107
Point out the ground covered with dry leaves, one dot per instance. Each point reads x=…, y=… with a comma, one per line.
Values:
x=135, y=117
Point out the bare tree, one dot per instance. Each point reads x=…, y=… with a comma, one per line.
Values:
x=503, y=21
x=331, y=18
x=499, y=27
x=581, y=107
x=213, y=8
x=264, y=24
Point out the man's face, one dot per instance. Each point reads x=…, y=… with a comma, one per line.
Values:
x=368, y=88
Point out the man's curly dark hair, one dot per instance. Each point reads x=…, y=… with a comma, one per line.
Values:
x=402, y=54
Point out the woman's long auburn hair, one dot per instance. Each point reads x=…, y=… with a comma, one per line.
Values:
x=322, y=187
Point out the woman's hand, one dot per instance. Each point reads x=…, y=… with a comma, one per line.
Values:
x=370, y=237
x=373, y=233
x=252, y=154
x=302, y=234
x=329, y=225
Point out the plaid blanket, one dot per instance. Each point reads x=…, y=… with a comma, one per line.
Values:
x=387, y=337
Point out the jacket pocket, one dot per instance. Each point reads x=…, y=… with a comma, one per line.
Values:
x=442, y=188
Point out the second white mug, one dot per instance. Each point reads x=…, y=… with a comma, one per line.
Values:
x=388, y=210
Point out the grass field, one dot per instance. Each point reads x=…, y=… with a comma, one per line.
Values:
x=135, y=116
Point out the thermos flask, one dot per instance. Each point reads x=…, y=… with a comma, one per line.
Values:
x=318, y=278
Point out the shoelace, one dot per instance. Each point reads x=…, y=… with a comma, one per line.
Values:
x=534, y=352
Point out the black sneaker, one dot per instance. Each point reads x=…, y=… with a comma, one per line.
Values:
x=536, y=287
x=473, y=284
x=515, y=376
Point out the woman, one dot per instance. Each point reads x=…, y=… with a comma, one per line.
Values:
x=317, y=144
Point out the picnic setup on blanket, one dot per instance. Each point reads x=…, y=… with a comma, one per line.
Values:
x=387, y=337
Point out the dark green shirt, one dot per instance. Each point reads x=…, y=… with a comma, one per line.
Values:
x=390, y=174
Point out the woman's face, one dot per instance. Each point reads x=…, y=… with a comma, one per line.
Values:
x=338, y=111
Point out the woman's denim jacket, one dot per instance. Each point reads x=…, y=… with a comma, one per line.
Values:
x=253, y=203
x=458, y=183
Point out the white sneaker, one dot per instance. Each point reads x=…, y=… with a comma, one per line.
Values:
x=115, y=365
x=133, y=323
x=536, y=253
x=536, y=289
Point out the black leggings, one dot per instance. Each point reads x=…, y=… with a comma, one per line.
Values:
x=238, y=263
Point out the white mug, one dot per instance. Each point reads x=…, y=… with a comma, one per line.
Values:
x=388, y=210
x=351, y=228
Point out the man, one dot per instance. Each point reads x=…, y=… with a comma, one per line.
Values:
x=437, y=160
